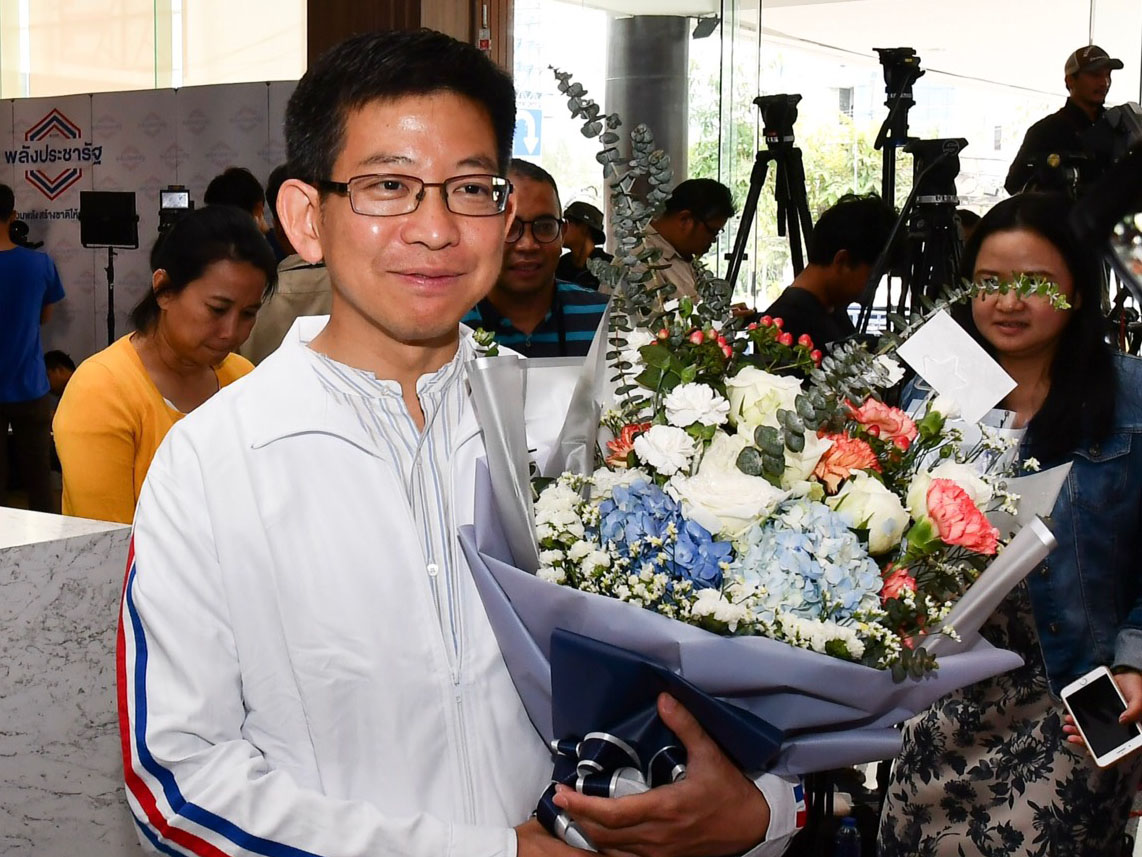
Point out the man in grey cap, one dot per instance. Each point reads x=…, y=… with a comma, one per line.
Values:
x=1087, y=74
x=583, y=239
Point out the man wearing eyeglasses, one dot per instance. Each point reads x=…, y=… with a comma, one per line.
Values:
x=528, y=309
x=304, y=665
x=695, y=215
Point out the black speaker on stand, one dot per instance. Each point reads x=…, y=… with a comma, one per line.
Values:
x=107, y=218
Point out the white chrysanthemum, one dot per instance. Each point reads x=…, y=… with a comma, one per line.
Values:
x=687, y=404
x=667, y=449
x=579, y=550
x=550, y=557
x=712, y=604
x=551, y=575
x=607, y=480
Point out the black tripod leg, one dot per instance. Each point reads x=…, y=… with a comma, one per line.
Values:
x=749, y=209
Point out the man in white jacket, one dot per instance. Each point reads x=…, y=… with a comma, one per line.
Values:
x=304, y=664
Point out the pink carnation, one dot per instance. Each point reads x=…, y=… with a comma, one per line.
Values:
x=890, y=423
x=844, y=456
x=896, y=582
x=622, y=446
x=958, y=520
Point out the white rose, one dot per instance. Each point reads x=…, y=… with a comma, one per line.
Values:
x=720, y=497
x=865, y=503
x=946, y=406
x=665, y=448
x=687, y=404
x=636, y=339
x=799, y=466
x=756, y=396
x=963, y=475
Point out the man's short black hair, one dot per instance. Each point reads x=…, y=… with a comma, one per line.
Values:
x=238, y=187
x=58, y=360
x=706, y=199
x=387, y=66
x=7, y=202
x=858, y=224
x=537, y=174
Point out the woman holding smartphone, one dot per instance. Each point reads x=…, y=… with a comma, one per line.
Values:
x=989, y=769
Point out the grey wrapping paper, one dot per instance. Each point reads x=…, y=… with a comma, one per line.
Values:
x=834, y=713
x=574, y=451
x=1026, y=550
x=498, y=386
x=1037, y=495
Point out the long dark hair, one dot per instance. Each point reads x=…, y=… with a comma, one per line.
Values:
x=1080, y=403
x=195, y=242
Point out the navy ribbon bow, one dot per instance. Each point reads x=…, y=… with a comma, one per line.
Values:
x=604, y=701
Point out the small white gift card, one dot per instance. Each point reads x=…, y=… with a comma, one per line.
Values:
x=955, y=365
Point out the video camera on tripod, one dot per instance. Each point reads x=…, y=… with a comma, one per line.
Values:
x=778, y=114
x=901, y=70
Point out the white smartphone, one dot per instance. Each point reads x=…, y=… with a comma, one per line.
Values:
x=1095, y=702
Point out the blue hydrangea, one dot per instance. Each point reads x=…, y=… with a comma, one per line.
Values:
x=643, y=522
x=809, y=563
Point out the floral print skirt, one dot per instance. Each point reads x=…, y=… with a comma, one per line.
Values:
x=987, y=771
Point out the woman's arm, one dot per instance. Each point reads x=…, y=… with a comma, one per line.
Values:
x=96, y=439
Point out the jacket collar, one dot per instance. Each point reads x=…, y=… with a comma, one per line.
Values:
x=284, y=397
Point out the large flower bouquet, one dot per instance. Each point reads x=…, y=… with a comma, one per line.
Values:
x=734, y=517
x=752, y=486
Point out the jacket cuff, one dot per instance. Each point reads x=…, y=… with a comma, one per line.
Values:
x=1128, y=649
x=785, y=797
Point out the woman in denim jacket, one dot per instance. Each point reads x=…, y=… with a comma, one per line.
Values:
x=992, y=769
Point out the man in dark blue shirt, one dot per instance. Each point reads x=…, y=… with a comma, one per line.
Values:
x=528, y=309
x=29, y=287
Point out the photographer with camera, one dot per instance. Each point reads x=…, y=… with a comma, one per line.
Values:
x=1055, y=144
x=695, y=215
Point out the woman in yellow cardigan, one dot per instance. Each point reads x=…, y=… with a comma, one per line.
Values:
x=212, y=271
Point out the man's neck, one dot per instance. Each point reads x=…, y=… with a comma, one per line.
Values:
x=6, y=243
x=814, y=280
x=583, y=253
x=1091, y=111
x=351, y=340
x=665, y=228
x=527, y=310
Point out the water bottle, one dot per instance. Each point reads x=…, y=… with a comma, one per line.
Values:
x=847, y=843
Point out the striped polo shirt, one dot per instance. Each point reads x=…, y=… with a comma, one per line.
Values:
x=566, y=330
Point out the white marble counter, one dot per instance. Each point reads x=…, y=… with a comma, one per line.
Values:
x=61, y=790
x=21, y=527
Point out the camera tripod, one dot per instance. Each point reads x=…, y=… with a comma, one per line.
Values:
x=778, y=112
x=901, y=70
x=928, y=221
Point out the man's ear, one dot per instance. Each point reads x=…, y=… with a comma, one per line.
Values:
x=509, y=219
x=843, y=259
x=299, y=207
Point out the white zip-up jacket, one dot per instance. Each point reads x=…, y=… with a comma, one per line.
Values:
x=285, y=686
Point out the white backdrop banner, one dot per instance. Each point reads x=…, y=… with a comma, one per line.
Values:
x=53, y=148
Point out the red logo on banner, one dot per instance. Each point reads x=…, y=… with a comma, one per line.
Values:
x=54, y=153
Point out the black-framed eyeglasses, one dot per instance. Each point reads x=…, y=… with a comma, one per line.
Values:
x=544, y=229
x=713, y=231
x=390, y=195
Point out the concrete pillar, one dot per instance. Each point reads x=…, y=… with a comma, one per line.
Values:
x=648, y=59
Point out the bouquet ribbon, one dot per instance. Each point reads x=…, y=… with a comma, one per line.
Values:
x=613, y=742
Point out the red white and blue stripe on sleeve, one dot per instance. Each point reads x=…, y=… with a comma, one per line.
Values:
x=172, y=824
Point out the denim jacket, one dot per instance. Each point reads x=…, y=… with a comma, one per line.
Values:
x=1087, y=594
